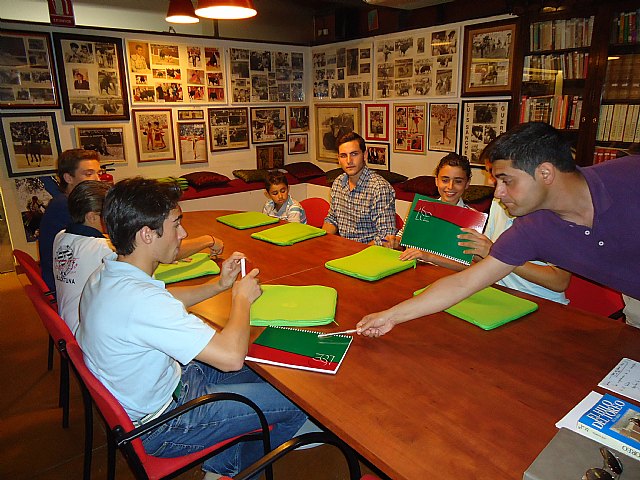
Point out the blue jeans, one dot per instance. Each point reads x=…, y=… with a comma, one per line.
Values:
x=217, y=421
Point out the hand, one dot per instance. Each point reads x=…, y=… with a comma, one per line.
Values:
x=414, y=254
x=475, y=243
x=248, y=287
x=391, y=241
x=230, y=270
x=375, y=324
x=217, y=247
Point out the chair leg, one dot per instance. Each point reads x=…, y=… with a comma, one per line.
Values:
x=88, y=433
x=50, y=354
x=64, y=390
x=111, y=455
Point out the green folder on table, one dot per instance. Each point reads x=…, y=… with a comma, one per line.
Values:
x=489, y=308
x=372, y=263
x=199, y=266
x=290, y=306
x=289, y=233
x=245, y=220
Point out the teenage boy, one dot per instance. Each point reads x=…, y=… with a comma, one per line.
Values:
x=143, y=345
x=362, y=203
x=281, y=205
x=580, y=219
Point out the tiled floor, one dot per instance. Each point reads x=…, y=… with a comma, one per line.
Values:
x=33, y=444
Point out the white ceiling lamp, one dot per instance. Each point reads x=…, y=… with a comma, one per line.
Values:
x=226, y=9
x=181, y=11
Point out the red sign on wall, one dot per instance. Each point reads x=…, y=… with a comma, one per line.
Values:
x=61, y=12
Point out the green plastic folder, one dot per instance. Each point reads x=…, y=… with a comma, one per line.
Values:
x=245, y=220
x=289, y=233
x=199, y=266
x=489, y=308
x=290, y=306
x=372, y=263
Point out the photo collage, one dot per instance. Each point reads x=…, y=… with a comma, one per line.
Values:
x=343, y=73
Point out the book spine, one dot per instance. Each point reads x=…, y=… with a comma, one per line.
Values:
x=601, y=437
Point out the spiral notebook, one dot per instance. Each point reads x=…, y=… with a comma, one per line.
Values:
x=434, y=226
x=301, y=349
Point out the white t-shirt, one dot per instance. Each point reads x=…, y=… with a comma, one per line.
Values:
x=133, y=333
x=75, y=258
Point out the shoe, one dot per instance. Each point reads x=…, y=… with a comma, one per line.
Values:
x=211, y=476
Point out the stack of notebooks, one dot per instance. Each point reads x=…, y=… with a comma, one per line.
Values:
x=245, y=220
x=199, y=265
x=290, y=306
x=289, y=233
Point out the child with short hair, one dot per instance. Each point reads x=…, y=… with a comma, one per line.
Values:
x=281, y=205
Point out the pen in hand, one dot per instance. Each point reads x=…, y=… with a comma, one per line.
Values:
x=344, y=332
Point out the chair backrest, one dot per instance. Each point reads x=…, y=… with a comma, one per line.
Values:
x=399, y=222
x=316, y=209
x=593, y=297
x=31, y=269
x=53, y=323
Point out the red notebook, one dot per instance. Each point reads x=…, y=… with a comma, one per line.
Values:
x=462, y=217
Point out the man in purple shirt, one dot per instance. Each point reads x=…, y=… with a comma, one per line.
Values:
x=581, y=219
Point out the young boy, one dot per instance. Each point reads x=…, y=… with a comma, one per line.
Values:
x=281, y=205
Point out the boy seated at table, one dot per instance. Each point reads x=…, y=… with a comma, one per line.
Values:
x=281, y=205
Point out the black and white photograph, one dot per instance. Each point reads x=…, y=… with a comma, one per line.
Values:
x=481, y=123
x=108, y=141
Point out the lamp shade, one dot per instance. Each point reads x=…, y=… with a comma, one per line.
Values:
x=181, y=11
x=225, y=9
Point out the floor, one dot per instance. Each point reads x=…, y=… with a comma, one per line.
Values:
x=33, y=444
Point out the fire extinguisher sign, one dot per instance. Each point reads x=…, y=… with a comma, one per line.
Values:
x=61, y=12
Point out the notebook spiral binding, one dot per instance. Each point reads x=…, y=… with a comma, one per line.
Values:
x=436, y=253
x=303, y=330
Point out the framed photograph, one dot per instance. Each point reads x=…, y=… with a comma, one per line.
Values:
x=443, y=126
x=333, y=121
x=92, y=77
x=409, y=127
x=481, y=123
x=32, y=198
x=378, y=156
x=107, y=140
x=268, y=124
x=154, y=135
x=31, y=143
x=27, y=79
x=228, y=128
x=298, y=119
x=193, y=142
x=376, y=122
x=298, y=143
x=270, y=156
x=190, y=115
x=488, y=58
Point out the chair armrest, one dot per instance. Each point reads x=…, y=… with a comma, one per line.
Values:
x=127, y=437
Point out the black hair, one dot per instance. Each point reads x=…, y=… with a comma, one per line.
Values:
x=455, y=160
x=350, y=137
x=275, y=178
x=86, y=197
x=68, y=163
x=530, y=144
x=134, y=203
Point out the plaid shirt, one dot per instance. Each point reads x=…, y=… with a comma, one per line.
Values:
x=365, y=213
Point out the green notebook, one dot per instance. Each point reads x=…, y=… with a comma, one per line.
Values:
x=199, y=266
x=289, y=306
x=289, y=233
x=247, y=220
x=489, y=308
x=372, y=263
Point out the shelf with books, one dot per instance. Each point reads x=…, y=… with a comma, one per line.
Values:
x=625, y=27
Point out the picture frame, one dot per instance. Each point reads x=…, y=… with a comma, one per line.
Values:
x=376, y=122
x=30, y=142
x=482, y=121
x=409, y=122
x=299, y=119
x=442, y=117
x=269, y=157
x=190, y=115
x=489, y=58
x=107, y=140
x=153, y=130
x=27, y=78
x=32, y=198
x=92, y=77
x=378, y=156
x=298, y=143
x=268, y=124
x=228, y=128
x=331, y=122
x=192, y=142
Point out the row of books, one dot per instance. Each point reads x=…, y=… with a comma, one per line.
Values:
x=619, y=122
x=602, y=154
x=573, y=65
x=622, y=80
x=560, y=111
x=625, y=27
x=560, y=34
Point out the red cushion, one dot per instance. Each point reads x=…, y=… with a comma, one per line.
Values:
x=199, y=180
x=304, y=170
x=424, y=185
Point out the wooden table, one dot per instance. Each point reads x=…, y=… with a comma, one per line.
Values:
x=437, y=397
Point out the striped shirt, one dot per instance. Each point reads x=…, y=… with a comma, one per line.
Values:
x=291, y=211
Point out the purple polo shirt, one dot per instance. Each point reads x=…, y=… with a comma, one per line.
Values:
x=606, y=253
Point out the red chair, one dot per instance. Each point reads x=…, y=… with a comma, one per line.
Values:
x=123, y=435
x=297, y=442
x=34, y=274
x=61, y=335
x=316, y=209
x=595, y=298
x=399, y=222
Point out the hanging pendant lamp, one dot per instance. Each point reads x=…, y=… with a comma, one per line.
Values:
x=226, y=9
x=181, y=11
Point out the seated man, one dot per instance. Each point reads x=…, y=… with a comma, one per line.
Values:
x=362, y=203
x=143, y=345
